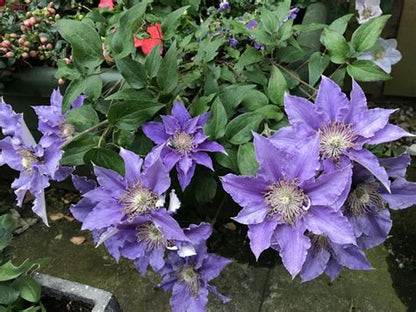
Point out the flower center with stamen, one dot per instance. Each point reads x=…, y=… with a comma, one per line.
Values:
x=286, y=200
x=138, y=200
x=181, y=142
x=378, y=54
x=367, y=13
x=335, y=139
x=191, y=278
x=319, y=241
x=151, y=236
x=66, y=131
x=27, y=159
x=363, y=198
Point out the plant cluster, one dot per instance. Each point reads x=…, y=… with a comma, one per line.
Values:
x=28, y=35
x=18, y=291
x=210, y=102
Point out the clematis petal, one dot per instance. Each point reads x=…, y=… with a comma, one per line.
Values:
x=271, y=159
x=245, y=191
x=156, y=177
x=185, y=178
x=260, y=236
x=396, y=166
x=155, y=131
x=388, y=134
x=328, y=188
x=132, y=164
x=326, y=221
x=180, y=113
x=293, y=246
x=403, y=194
x=370, y=162
x=171, y=124
x=351, y=257
x=315, y=263
x=369, y=122
x=302, y=112
x=331, y=101
x=203, y=159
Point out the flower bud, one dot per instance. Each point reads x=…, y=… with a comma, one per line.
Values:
x=49, y=46
x=6, y=44
x=33, y=53
x=25, y=55
x=43, y=39
x=9, y=54
x=61, y=81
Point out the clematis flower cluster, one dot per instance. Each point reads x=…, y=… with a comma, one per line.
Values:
x=319, y=196
x=37, y=163
x=128, y=215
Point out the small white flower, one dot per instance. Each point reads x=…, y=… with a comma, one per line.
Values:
x=367, y=10
x=384, y=54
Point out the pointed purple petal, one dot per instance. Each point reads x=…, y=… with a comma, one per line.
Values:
x=210, y=146
x=78, y=101
x=370, y=162
x=202, y=159
x=260, y=236
x=168, y=225
x=333, y=268
x=403, y=194
x=170, y=159
x=155, y=131
x=331, y=101
x=109, y=179
x=103, y=215
x=185, y=178
x=212, y=267
x=171, y=124
x=351, y=257
x=369, y=122
x=358, y=103
x=39, y=207
x=293, y=246
x=315, y=263
x=302, y=112
x=180, y=113
x=328, y=188
x=388, y=134
x=396, y=166
x=270, y=159
x=156, y=177
x=245, y=191
x=133, y=164
x=324, y=220
x=83, y=184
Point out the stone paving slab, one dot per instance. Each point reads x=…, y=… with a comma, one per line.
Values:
x=365, y=291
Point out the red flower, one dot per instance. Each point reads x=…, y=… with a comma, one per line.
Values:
x=106, y=3
x=2, y=3
x=148, y=44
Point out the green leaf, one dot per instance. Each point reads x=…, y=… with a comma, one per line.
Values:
x=246, y=159
x=170, y=23
x=269, y=21
x=239, y=130
x=28, y=288
x=83, y=117
x=317, y=64
x=255, y=99
x=168, y=76
x=105, y=158
x=74, y=89
x=121, y=44
x=8, y=294
x=7, y=222
x=66, y=71
x=132, y=71
x=152, y=62
x=316, y=13
x=233, y=95
x=131, y=94
x=205, y=189
x=339, y=76
x=363, y=70
x=270, y=112
x=249, y=56
x=228, y=161
x=85, y=42
x=8, y=271
x=200, y=105
x=129, y=115
x=93, y=86
x=340, y=24
x=308, y=27
x=75, y=151
x=338, y=47
x=215, y=127
x=277, y=86
x=365, y=36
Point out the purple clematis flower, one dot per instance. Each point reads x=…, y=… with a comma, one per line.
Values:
x=224, y=5
x=284, y=200
x=342, y=126
x=181, y=141
x=366, y=206
x=232, y=42
x=188, y=277
x=252, y=24
x=52, y=121
x=37, y=162
x=293, y=13
x=127, y=214
x=325, y=256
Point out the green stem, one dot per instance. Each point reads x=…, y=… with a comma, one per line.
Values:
x=75, y=137
x=295, y=77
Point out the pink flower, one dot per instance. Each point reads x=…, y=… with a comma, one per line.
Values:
x=106, y=4
x=148, y=44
